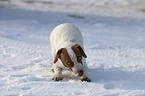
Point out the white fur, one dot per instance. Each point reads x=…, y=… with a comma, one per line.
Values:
x=65, y=36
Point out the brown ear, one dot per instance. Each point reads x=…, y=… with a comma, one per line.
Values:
x=81, y=50
x=57, y=55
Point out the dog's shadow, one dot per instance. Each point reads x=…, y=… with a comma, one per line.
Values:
x=118, y=79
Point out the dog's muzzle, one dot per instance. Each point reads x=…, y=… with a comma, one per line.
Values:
x=80, y=73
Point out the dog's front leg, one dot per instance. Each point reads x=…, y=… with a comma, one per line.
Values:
x=57, y=74
x=85, y=76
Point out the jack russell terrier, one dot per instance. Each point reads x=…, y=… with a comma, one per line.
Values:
x=68, y=52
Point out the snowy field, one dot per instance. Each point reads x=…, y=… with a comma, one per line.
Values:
x=114, y=41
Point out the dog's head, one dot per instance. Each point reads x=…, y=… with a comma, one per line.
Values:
x=71, y=58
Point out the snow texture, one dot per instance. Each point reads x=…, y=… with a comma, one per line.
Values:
x=113, y=35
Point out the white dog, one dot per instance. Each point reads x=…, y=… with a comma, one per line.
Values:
x=68, y=52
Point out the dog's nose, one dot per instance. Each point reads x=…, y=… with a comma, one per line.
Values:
x=80, y=73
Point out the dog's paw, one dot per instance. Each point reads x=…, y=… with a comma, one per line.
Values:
x=55, y=78
x=86, y=79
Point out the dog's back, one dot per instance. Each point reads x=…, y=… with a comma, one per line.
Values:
x=66, y=34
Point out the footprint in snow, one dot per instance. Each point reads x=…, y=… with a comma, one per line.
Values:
x=32, y=79
x=12, y=95
x=20, y=75
x=26, y=88
x=19, y=67
x=36, y=61
x=2, y=66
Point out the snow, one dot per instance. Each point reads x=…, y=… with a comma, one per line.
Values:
x=113, y=38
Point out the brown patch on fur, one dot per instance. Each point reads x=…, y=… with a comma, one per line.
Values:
x=57, y=55
x=78, y=54
x=77, y=47
x=63, y=55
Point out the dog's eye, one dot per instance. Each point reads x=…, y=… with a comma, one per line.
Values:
x=68, y=63
x=79, y=58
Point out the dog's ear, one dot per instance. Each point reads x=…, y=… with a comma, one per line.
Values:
x=57, y=55
x=81, y=50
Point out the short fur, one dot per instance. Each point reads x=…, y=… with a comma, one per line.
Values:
x=68, y=52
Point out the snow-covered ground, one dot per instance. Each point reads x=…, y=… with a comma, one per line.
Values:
x=113, y=34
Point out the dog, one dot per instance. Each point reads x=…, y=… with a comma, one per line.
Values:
x=68, y=52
